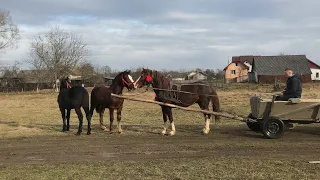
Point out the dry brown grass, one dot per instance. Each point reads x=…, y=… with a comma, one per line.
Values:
x=37, y=114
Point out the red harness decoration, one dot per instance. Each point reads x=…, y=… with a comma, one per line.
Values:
x=125, y=82
x=149, y=78
x=68, y=85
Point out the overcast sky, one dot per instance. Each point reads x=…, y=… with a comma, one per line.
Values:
x=173, y=34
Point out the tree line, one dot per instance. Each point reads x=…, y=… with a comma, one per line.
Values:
x=58, y=53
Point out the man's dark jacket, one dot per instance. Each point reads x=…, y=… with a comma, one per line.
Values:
x=293, y=88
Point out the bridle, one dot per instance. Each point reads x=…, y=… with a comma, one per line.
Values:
x=125, y=82
x=68, y=85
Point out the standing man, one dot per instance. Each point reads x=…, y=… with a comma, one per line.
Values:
x=293, y=86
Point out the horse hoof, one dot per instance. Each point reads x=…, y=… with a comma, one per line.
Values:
x=163, y=132
x=88, y=133
x=205, y=131
x=103, y=128
x=172, y=133
x=78, y=133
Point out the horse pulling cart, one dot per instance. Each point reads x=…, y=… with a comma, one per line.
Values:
x=267, y=115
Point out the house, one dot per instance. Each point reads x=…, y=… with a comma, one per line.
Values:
x=76, y=80
x=232, y=71
x=35, y=79
x=108, y=81
x=269, y=69
x=9, y=81
x=196, y=75
x=237, y=71
x=315, y=69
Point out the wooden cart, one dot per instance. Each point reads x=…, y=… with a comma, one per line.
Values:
x=271, y=117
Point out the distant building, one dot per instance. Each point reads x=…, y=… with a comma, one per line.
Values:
x=268, y=69
x=196, y=75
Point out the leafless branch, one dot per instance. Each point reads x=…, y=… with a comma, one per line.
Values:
x=9, y=32
x=57, y=51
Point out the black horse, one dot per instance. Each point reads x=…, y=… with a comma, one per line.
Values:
x=101, y=98
x=201, y=94
x=73, y=98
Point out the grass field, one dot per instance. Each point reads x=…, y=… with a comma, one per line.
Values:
x=33, y=146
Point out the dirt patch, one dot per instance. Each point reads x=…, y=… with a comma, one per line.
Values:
x=301, y=143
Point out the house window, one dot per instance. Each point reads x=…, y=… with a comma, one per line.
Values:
x=233, y=71
x=317, y=75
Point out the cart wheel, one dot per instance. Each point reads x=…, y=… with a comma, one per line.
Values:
x=254, y=126
x=272, y=128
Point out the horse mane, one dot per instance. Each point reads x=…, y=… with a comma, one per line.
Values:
x=162, y=81
x=116, y=78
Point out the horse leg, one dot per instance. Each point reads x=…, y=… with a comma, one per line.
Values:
x=206, y=128
x=101, y=119
x=119, y=119
x=63, y=115
x=207, y=117
x=165, y=119
x=173, y=128
x=111, y=118
x=80, y=117
x=88, y=116
x=68, y=119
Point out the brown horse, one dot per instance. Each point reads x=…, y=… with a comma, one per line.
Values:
x=101, y=98
x=201, y=94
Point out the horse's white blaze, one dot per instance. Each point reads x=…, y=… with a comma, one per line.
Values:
x=131, y=79
x=135, y=83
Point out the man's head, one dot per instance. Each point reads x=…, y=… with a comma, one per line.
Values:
x=288, y=72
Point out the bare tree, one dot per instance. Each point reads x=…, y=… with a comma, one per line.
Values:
x=39, y=72
x=58, y=51
x=11, y=71
x=9, y=32
x=103, y=70
x=219, y=74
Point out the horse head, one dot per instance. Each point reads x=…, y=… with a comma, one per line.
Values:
x=64, y=83
x=145, y=78
x=124, y=79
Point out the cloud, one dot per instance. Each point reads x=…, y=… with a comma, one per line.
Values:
x=174, y=34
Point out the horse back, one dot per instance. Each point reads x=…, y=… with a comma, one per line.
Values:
x=101, y=96
x=73, y=97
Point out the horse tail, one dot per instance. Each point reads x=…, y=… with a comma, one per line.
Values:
x=215, y=105
x=85, y=102
x=92, y=101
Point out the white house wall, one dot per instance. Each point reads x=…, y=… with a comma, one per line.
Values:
x=314, y=74
x=249, y=65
